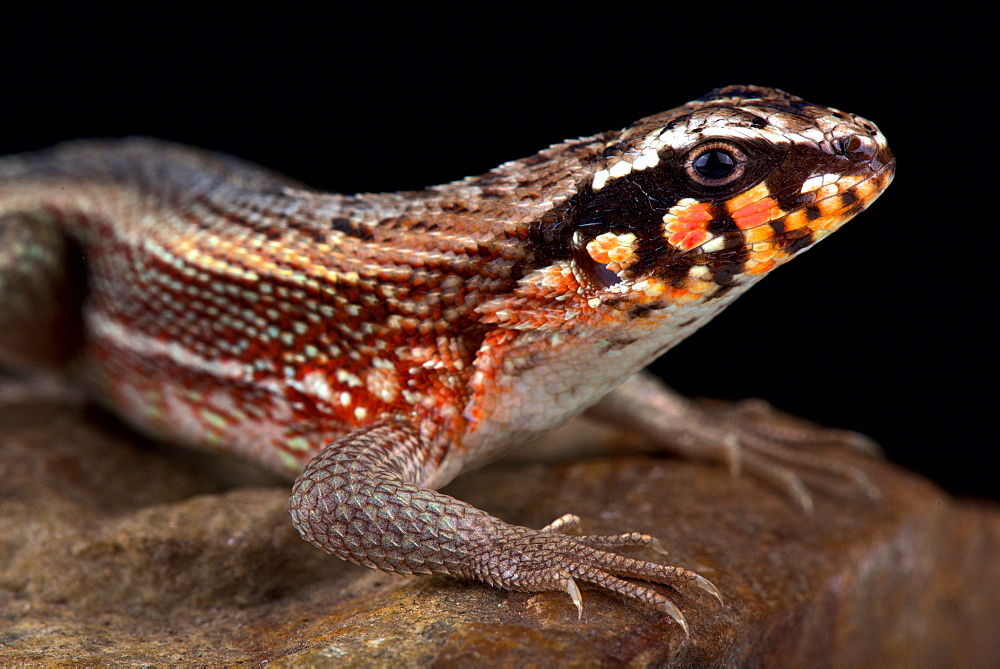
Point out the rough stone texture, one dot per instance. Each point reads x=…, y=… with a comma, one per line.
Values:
x=112, y=551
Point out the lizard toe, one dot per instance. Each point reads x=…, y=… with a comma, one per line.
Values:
x=540, y=560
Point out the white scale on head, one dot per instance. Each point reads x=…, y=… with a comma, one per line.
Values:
x=680, y=138
x=648, y=157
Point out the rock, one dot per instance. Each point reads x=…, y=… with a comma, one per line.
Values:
x=115, y=551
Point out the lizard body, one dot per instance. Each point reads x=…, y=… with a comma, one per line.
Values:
x=376, y=345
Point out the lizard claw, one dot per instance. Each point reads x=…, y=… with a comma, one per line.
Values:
x=657, y=546
x=675, y=613
x=708, y=587
x=574, y=594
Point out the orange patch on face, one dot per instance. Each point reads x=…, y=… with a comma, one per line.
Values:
x=752, y=196
x=755, y=214
x=684, y=225
x=760, y=267
x=615, y=251
x=795, y=220
x=761, y=233
x=687, y=237
x=865, y=190
x=697, y=212
x=831, y=206
x=763, y=258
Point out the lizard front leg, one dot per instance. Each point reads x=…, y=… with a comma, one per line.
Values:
x=742, y=435
x=359, y=499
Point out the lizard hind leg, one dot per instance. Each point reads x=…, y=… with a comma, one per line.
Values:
x=359, y=499
x=42, y=286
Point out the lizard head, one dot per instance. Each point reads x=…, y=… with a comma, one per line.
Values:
x=699, y=202
x=656, y=229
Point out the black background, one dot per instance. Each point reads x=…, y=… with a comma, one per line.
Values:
x=888, y=327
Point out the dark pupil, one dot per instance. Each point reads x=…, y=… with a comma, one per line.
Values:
x=714, y=164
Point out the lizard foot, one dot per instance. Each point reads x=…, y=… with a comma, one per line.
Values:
x=781, y=449
x=527, y=560
x=748, y=436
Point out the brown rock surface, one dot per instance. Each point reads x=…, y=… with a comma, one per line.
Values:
x=112, y=551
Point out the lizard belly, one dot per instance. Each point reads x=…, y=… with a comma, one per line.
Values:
x=523, y=391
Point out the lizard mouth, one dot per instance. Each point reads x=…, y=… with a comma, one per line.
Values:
x=779, y=239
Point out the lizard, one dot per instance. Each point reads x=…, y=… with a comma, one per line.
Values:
x=374, y=346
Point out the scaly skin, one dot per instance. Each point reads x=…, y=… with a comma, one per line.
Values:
x=376, y=345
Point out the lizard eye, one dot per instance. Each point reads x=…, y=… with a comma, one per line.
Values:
x=715, y=164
